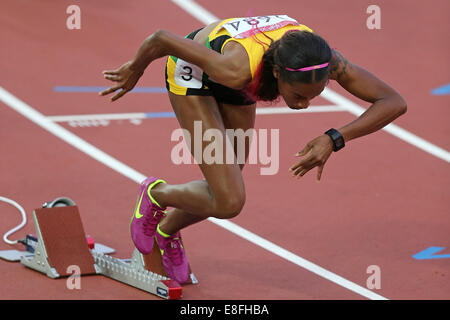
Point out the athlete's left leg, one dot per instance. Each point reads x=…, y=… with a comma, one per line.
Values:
x=234, y=117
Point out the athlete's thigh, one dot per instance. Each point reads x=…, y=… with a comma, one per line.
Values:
x=239, y=117
x=221, y=176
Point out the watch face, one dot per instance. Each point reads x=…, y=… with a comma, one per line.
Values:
x=339, y=143
x=338, y=139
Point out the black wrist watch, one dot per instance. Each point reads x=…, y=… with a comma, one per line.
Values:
x=337, y=138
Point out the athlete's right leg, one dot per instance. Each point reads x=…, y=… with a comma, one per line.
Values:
x=222, y=193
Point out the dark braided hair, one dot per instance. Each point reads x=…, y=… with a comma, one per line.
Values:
x=296, y=49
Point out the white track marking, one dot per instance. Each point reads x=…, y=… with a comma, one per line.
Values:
x=143, y=115
x=197, y=11
x=107, y=116
x=75, y=141
x=295, y=259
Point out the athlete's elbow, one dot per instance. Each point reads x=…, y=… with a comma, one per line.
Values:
x=400, y=105
x=237, y=84
x=160, y=33
x=238, y=80
x=228, y=78
x=155, y=39
x=404, y=107
x=230, y=73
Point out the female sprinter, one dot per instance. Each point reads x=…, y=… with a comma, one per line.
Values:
x=215, y=75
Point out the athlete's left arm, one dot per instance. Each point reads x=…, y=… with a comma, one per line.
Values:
x=387, y=105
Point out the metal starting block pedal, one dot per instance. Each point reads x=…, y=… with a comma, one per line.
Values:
x=61, y=242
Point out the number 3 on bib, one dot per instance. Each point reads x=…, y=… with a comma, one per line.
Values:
x=188, y=75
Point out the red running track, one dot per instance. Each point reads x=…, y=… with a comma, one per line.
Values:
x=380, y=201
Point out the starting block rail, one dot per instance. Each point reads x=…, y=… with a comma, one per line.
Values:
x=61, y=242
x=134, y=273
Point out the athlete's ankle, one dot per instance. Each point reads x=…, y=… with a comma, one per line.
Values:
x=158, y=193
x=165, y=230
x=162, y=233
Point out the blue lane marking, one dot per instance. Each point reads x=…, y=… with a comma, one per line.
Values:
x=98, y=89
x=160, y=114
x=441, y=90
x=430, y=253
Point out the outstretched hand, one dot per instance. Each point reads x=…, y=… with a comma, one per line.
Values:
x=125, y=77
x=315, y=153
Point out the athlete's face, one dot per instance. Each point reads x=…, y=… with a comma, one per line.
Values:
x=297, y=95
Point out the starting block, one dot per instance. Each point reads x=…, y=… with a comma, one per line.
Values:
x=61, y=243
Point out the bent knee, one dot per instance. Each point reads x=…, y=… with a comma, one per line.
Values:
x=230, y=207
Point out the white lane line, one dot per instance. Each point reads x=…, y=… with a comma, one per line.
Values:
x=295, y=259
x=197, y=11
x=143, y=115
x=106, y=116
x=75, y=141
x=393, y=129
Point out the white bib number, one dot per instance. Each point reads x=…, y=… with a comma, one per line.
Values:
x=188, y=75
x=245, y=27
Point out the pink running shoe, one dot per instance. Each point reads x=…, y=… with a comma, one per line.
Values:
x=173, y=256
x=146, y=217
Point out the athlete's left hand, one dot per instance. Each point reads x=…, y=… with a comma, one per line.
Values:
x=315, y=153
x=125, y=77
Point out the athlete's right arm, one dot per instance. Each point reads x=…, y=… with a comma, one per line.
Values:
x=227, y=68
x=230, y=69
